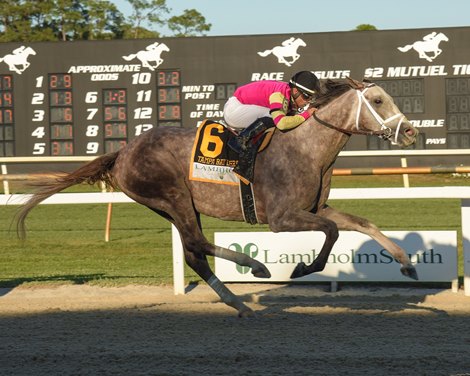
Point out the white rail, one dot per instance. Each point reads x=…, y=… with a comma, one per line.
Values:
x=360, y=153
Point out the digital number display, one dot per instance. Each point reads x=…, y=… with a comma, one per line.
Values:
x=60, y=98
x=402, y=88
x=60, y=111
x=224, y=91
x=170, y=124
x=61, y=132
x=6, y=116
x=460, y=103
x=458, y=140
x=6, y=82
x=61, y=148
x=169, y=95
x=114, y=96
x=169, y=91
x=60, y=81
x=168, y=78
x=169, y=112
x=7, y=149
x=458, y=122
x=456, y=86
x=410, y=105
x=6, y=99
x=408, y=95
x=115, y=113
x=111, y=146
x=61, y=114
x=458, y=111
x=7, y=131
x=115, y=130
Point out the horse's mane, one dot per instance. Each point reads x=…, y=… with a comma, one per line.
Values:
x=334, y=88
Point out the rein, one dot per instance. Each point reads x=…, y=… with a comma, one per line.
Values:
x=346, y=131
x=385, y=132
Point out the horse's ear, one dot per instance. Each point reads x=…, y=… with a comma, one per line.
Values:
x=355, y=84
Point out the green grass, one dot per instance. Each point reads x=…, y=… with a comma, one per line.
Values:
x=65, y=243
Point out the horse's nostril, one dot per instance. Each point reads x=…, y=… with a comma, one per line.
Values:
x=410, y=132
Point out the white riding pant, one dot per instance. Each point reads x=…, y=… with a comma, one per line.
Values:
x=240, y=116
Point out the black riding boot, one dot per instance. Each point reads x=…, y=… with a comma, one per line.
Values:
x=240, y=142
x=248, y=144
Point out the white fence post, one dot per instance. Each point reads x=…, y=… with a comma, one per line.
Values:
x=178, y=262
x=466, y=245
x=406, y=179
x=6, y=186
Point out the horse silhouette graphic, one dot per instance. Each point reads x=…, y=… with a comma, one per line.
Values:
x=17, y=61
x=430, y=43
x=287, y=49
x=151, y=54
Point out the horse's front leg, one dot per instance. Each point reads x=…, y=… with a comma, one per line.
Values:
x=293, y=220
x=15, y=69
x=350, y=222
x=146, y=64
x=282, y=60
x=423, y=55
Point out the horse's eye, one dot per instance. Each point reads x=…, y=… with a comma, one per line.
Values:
x=378, y=101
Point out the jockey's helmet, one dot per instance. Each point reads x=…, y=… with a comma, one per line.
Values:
x=306, y=82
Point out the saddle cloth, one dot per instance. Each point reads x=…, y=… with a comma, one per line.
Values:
x=212, y=160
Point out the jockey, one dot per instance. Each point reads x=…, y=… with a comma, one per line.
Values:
x=260, y=105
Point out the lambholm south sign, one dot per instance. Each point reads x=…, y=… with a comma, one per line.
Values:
x=355, y=257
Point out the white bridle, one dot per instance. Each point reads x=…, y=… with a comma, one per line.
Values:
x=388, y=131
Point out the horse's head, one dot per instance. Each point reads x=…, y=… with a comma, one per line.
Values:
x=29, y=51
x=441, y=37
x=164, y=47
x=378, y=114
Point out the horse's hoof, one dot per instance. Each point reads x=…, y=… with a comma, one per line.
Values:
x=409, y=271
x=261, y=272
x=246, y=313
x=299, y=271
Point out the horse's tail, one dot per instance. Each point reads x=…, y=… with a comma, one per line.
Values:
x=264, y=53
x=405, y=48
x=129, y=57
x=99, y=169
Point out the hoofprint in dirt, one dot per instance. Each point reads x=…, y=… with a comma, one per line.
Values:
x=300, y=330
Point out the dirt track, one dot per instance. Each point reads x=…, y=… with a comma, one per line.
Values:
x=300, y=330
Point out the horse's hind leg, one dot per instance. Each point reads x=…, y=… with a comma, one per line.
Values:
x=350, y=222
x=196, y=247
x=194, y=241
x=198, y=262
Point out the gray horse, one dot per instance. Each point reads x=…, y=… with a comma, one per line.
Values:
x=292, y=181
